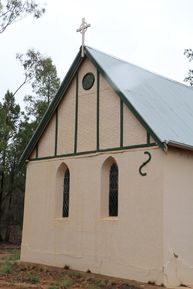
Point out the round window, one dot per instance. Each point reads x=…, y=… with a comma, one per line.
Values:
x=88, y=81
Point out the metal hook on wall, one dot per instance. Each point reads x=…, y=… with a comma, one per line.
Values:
x=145, y=163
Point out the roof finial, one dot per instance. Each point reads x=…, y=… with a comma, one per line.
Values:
x=82, y=30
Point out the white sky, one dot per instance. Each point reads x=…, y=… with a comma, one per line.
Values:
x=150, y=33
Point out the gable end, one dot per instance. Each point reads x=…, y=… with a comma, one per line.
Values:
x=53, y=108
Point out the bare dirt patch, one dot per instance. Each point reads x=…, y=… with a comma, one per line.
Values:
x=18, y=275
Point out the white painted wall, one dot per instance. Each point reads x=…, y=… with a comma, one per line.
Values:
x=46, y=145
x=178, y=217
x=129, y=246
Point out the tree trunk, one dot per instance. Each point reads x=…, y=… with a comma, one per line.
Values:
x=1, y=193
x=10, y=209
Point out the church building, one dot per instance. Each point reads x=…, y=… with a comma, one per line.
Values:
x=109, y=184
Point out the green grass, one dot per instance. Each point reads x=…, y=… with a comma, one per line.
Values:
x=5, y=267
x=14, y=256
x=54, y=286
x=34, y=279
x=94, y=286
x=101, y=283
x=66, y=282
x=8, y=261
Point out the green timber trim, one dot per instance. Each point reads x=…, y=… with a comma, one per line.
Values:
x=99, y=151
x=121, y=122
x=37, y=151
x=98, y=116
x=148, y=137
x=76, y=117
x=126, y=101
x=56, y=132
x=51, y=109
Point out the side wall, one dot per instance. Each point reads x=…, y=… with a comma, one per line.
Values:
x=128, y=246
x=178, y=217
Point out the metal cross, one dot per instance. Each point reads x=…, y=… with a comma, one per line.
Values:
x=82, y=30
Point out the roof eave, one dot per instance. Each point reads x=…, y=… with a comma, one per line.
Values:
x=179, y=145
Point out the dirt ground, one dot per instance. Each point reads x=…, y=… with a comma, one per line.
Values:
x=18, y=275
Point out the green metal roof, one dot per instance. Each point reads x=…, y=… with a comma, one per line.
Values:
x=163, y=105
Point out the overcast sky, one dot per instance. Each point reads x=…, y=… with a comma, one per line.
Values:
x=150, y=33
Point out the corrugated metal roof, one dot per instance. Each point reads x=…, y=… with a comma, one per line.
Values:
x=165, y=105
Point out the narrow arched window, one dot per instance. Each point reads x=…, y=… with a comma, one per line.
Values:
x=66, y=193
x=113, y=190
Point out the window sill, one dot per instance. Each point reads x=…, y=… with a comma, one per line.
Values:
x=61, y=219
x=110, y=219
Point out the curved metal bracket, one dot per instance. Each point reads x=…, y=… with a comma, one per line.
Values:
x=145, y=163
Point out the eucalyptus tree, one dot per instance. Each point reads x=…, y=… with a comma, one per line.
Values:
x=42, y=74
x=12, y=11
x=9, y=116
x=15, y=127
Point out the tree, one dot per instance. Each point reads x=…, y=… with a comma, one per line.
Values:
x=42, y=74
x=14, y=10
x=9, y=114
x=189, y=54
x=15, y=127
x=30, y=62
x=46, y=82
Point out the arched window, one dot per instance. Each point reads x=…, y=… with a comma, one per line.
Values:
x=109, y=188
x=66, y=193
x=113, y=190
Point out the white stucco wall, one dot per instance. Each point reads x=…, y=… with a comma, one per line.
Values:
x=133, y=132
x=109, y=125
x=86, y=138
x=178, y=217
x=66, y=123
x=129, y=246
x=46, y=144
